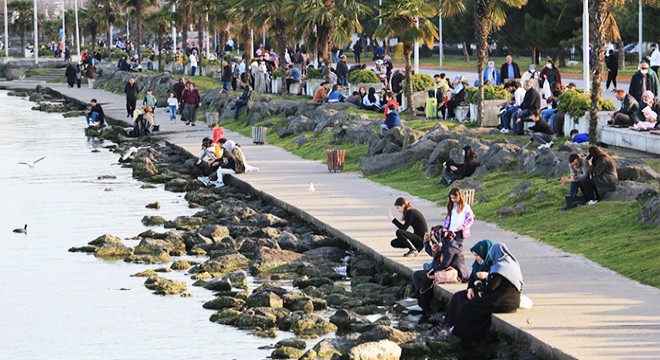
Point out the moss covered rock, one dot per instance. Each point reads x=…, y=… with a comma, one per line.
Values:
x=380, y=350
x=253, y=321
x=294, y=343
x=310, y=325
x=153, y=220
x=84, y=249
x=143, y=168
x=113, y=251
x=162, y=258
x=223, y=302
x=180, y=265
x=267, y=333
x=105, y=240
x=286, y=353
x=226, y=316
x=225, y=263
x=146, y=273
x=162, y=286
x=265, y=298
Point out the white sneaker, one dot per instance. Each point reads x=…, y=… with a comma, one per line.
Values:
x=591, y=202
x=543, y=146
x=204, y=180
x=217, y=184
x=415, y=308
x=504, y=131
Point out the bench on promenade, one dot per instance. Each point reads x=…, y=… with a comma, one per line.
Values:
x=468, y=196
x=646, y=141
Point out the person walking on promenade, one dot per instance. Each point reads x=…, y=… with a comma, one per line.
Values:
x=191, y=102
x=413, y=241
x=612, y=63
x=498, y=291
x=70, y=75
x=131, y=90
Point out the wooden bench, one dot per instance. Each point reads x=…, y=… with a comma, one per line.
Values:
x=468, y=196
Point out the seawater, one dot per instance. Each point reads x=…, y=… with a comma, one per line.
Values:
x=60, y=305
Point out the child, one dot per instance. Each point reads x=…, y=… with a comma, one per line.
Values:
x=173, y=105
x=218, y=132
x=392, y=119
x=150, y=101
x=579, y=138
x=651, y=118
x=431, y=106
x=459, y=217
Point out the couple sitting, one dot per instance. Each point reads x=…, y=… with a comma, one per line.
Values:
x=225, y=157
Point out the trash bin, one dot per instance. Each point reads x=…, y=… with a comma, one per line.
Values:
x=259, y=135
x=335, y=160
x=212, y=117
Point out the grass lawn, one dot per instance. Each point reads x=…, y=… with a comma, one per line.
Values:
x=607, y=233
x=458, y=62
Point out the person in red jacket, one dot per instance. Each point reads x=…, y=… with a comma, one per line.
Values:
x=191, y=102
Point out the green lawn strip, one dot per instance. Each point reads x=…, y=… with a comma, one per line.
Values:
x=655, y=164
x=607, y=233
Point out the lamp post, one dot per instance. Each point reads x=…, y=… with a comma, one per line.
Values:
x=75, y=9
x=6, y=32
x=440, y=50
x=640, y=31
x=36, y=34
x=585, y=43
x=174, y=43
x=63, y=31
x=416, y=51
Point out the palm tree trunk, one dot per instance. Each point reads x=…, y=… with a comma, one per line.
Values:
x=482, y=22
x=138, y=22
x=161, y=48
x=466, y=52
x=600, y=11
x=407, y=51
x=622, y=55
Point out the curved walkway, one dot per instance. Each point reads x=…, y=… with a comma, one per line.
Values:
x=581, y=310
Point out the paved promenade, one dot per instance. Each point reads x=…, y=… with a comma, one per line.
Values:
x=581, y=310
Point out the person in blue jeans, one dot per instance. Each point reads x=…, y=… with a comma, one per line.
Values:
x=530, y=104
x=245, y=97
x=579, y=168
x=95, y=113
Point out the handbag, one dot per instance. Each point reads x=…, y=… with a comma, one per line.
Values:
x=447, y=276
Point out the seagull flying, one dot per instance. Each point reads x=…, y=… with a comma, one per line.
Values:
x=22, y=230
x=131, y=151
x=31, y=163
x=311, y=187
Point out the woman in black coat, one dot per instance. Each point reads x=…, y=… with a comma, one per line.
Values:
x=70, y=75
x=455, y=171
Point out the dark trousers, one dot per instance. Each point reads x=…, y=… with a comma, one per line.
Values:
x=611, y=78
x=237, y=107
x=130, y=104
x=623, y=120
x=588, y=189
x=289, y=82
x=407, y=240
x=423, y=289
x=357, y=57
x=78, y=83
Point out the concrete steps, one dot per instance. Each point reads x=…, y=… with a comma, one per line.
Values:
x=630, y=139
x=49, y=76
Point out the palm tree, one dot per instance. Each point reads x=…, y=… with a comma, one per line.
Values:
x=107, y=9
x=488, y=15
x=159, y=22
x=22, y=18
x=409, y=20
x=333, y=21
x=138, y=8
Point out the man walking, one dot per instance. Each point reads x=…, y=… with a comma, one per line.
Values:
x=509, y=70
x=131, y=90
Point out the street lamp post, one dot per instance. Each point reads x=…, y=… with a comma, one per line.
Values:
x=440, y=33
x=63, y=31
x=416, y=51
x=6, y=32
x=585, y=43
x=640, y=31
x=75, y=2
x=174, y=43
x=36, y=35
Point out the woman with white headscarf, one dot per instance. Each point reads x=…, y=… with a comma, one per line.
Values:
x=457, y=95
x=492, y=75
x=235, y=149
x=498, y=291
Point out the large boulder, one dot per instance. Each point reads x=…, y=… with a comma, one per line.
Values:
x=344, y=319
x=500, y=156
x=297, y=125
x=650, y=214
x=634, y=169
x=546, y=163
x=12, y=73
x=382, y=332
x=224, y=263
x=377, y=350
x=273, y=260
x=383, y=163
x=442, y=151
x=631, y=191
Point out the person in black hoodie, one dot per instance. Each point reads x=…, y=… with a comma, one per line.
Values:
x=95, y=113
x=541, y=132
x=131, y=90
x=70, y=75
x=413, y=241
x=612, y=63
x=455, y=171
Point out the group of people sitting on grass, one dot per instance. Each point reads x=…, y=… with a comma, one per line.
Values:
x=220, y=157
x=494, y=282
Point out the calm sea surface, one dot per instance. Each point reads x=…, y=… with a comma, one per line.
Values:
x=60, y=305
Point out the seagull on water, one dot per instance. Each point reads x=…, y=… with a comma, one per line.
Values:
x=22, y=230
x=31, y=163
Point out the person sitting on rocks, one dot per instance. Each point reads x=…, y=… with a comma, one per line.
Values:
x=541, y=132
x=235, y=149
x=392, y=120
x=321, y=94
x=459, y=217
x=481, y=264
x=371, y=101
x=454, y=171
x=447, y=254
x=355, y=99
x=244, y=98
x=498, y=292
x=413, y=241
x=151, y=120
x=212, y=151
x=579, y=168
x=531, y=102
x=578, y=137
x=95, y=113
x=603, y=173
x=336, y=95
x=230, y=163
x=628, y=113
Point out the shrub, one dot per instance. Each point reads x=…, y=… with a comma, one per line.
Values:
x=206, y=61
x=421, y=82
x=314, y=73
x=228, y=57
x=363, y=76
x=490, y=93
x=277, y=73
x=576, y=103
x=398, y=52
